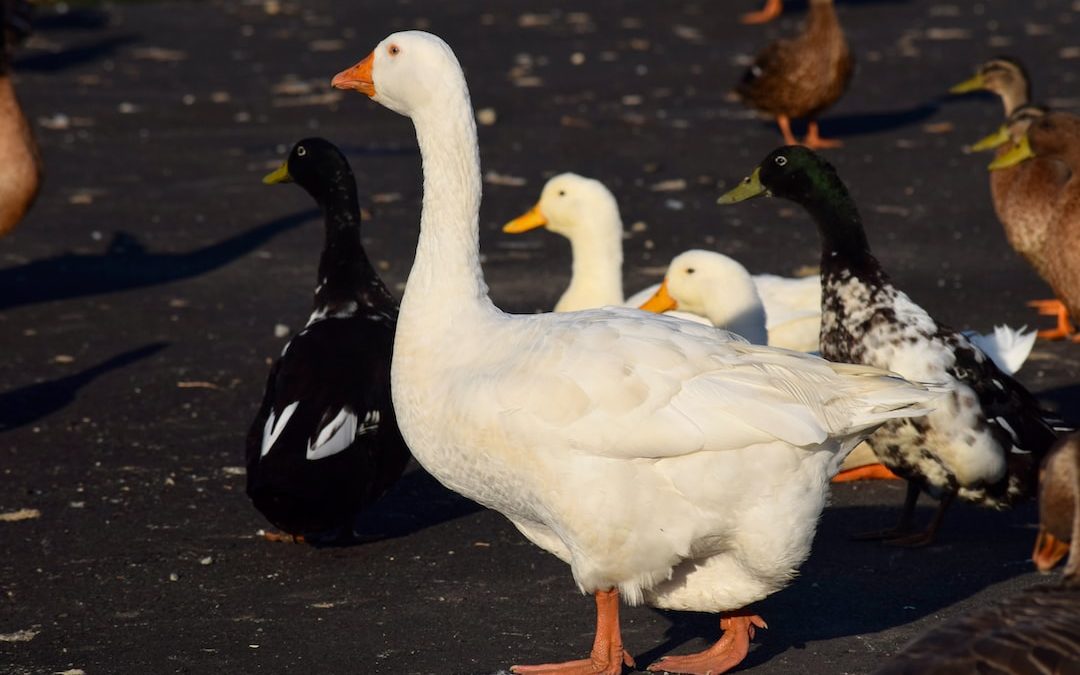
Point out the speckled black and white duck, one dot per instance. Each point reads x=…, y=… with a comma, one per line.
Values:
x=1036, y=631
x=325, y=443
x=984, y=441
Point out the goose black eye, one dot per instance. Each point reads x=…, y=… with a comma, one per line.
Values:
x=689, y=270
x=562, y=193
x=394, y=50
x=781, y=160
x=301, y=151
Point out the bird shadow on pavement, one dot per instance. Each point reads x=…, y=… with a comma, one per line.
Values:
x=856, y=587
x=30, y=403
x=1064, y=401
x=859, y=124
x=126, y=264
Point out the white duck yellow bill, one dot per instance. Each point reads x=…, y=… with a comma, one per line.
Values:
x=279, y=175
x=973, y=84
x=994, y=140
x=530, y=220
x=661, y=301
x=1019, y=153
x=748, y=188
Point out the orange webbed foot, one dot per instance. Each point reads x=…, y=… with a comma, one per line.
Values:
x=607, y=657
x=867, y=472
x=728, y=652
x=283, y=537
x=770, y=11
x=814, y=141
x=1055, y=308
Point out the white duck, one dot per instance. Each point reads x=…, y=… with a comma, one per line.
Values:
x=584, y=211
x=712, y=285
x=661, y=462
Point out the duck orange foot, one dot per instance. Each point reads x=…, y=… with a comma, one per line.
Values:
x=728, y=652
x=770, y=11
x=1055, y=308
x=867, y=472
x=607, y=656
x=283, y=537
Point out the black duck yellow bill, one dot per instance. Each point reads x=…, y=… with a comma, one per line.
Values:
x=1019, y=153
x=279, y=175
x=974, y=84
x=748, y=188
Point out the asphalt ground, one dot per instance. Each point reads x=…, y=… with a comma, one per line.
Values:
x=142, y=299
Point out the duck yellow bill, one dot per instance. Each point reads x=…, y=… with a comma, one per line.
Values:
x=530, y=220
x=661, y=301
x=749, y=188
x=1049, y=550
x=1019, y=152
x=279, y=175
x=974, y=84
x=994, y=140
x=358, y=77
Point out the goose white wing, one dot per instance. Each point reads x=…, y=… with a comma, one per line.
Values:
x=626, y=385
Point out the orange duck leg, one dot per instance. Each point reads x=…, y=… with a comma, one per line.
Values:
x=607, y=657
x=728, y=652
x=770, y=11
x=1055, y=308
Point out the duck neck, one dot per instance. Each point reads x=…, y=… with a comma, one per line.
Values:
x=596, y=279
x=446, y=278
x=345, y=273
x=821, y=20
x=1016, y=94
x=738, y=308
x=843, y=239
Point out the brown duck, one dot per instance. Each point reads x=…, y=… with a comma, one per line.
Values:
x=20, y=172
x=1055, y=136
x=800, y=78
x=1006, y=77
x=1036, y=631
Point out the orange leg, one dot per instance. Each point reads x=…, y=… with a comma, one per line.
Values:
x=607, y=656
x=1057, y=309
x=728, y=652
x=867, y=472
x=784, y=122
x=283, y=537
x=771, y=10
x=815, y=142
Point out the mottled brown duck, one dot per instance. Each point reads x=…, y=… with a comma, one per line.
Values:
x=1056, y=137
x=20, y=172
x=1036, y=631
x=1006, y=77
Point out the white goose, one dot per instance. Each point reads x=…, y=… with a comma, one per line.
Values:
x=660, y=462
x=584, y=211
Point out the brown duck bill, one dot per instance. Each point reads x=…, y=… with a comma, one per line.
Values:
x=1049, y=550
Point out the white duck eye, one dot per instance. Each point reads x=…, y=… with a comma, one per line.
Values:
x=781, y=160
x=689, y=270
x=301, y=151
x=562, y=193
x=393, y=50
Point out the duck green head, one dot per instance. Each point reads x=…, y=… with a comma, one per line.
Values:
x=792, y=172
x=316, y=165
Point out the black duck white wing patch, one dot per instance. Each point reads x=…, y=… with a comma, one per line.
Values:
x=275, y=425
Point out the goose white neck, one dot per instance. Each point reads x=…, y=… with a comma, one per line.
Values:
x=596, y=279
x=446, y=278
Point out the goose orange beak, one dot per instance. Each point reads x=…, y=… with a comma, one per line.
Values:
x=358, y=77
x=661, y=301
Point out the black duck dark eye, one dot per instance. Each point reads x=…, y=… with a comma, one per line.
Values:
x=781, y=160
x=394, y=50
x=301, y=151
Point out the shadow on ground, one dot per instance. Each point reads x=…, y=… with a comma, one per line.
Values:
x=29, y=404
x=849, y=589
x=126, y=265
